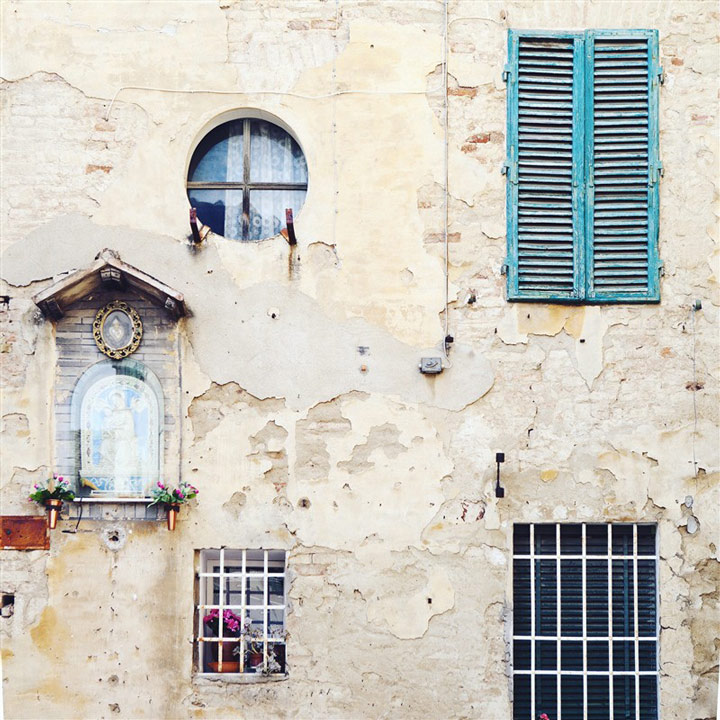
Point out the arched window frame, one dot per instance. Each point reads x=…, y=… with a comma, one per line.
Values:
x=100, y=372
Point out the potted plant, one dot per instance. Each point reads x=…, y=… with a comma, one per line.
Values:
x=224, y=650
x=172, y=498
x=51, y=496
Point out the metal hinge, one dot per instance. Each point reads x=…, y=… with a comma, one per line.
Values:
x=509, y=168
x=661, y=75
x=661, y=268
x=504, y=268
x=507, y=72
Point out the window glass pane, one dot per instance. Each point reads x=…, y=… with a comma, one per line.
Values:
x=276, y=591
x=571, y=597
x=622, y=541
x=596, y=539
x=209, y=161
x=267, y=211
x=571, y=692
x=598, y=695
x=597, y=655
x=254, y=590
x=276, y=623
x=647, y=656
x=624, y=697
x=596, y=580
x=545, y=539
x=647, y=591
x=521, y=654
x=622, y=599
x=572, y=655
x=546, y=695
x=570, y=539
x=646, y=540
x=545, y=597
x=233, y=589
x=521, y=597
x=546, y=655
x=274, y=156
x=648, y=697
x=521, y=539
x=521, y=698
x=624, y=656
x=220, y=210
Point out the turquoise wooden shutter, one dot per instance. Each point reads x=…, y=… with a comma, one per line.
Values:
x=622, y=166
x=545, y=166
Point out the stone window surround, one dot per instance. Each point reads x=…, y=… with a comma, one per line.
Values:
x=210, y=564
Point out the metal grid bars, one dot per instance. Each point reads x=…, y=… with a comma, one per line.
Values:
x=241, y=611
x=585, y=624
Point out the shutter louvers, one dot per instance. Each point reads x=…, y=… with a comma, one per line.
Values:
x=545, y=224
x=622, y=167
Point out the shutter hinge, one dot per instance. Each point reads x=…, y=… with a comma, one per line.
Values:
x=661, y=75
x=658, y=172
x=504, y=268
x=661, y=268
x=507, y=72
x=509, y=168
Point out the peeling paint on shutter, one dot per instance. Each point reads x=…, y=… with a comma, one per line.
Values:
x=622, y=167
x=545, y=166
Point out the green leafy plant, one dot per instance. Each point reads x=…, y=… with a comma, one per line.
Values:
x=167, y=495
x=56, y=488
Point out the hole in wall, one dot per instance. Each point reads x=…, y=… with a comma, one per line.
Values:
x=8, y=605
x=304, y=503
x=114, y=538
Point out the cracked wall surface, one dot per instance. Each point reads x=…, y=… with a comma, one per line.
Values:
x=304, y=419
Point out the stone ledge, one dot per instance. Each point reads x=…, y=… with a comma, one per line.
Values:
x=210, y=679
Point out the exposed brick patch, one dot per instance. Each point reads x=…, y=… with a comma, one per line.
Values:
x=479, y=138
x=440, y=237
x=470, y=92
x=98, y=168
x=677, y=61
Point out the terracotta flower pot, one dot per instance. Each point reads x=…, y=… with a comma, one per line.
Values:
x=230, y=661
x=53, y=508
x=172, y=511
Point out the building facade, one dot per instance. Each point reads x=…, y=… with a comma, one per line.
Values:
x=453, y=419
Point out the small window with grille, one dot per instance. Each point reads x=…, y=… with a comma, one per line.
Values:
x=241, y=612
x=585, y=622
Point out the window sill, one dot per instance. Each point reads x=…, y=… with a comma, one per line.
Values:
x=208, y=679
x=84, y=500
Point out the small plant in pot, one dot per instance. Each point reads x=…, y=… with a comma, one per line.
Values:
x=172, y=498
x=52, y=495
x=231, y=636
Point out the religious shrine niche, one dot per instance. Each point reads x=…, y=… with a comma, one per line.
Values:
x=117, y=390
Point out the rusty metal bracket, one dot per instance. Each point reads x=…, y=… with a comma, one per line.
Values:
x=199, y=231
x=289, y=232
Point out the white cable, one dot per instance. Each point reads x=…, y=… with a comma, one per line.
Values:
x=694, y=394
x=446, y=173
x=267, y=92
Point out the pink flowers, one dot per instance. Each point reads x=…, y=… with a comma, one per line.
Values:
x=544, y=717
x=230, y=620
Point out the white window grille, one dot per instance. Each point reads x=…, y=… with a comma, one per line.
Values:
x=585, y=622
x=246, y=588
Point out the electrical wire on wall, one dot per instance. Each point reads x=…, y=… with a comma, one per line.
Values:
x=443, y=87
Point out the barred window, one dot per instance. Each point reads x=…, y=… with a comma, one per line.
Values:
x=585, y=628
x=241, y=612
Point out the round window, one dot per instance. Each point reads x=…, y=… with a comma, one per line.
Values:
x=243, y=175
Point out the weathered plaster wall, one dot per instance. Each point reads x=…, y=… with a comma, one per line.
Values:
x=598, y=409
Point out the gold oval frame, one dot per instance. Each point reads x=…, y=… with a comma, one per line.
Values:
x=99, y=325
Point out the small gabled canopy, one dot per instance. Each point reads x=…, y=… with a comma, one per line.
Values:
x=108, y=272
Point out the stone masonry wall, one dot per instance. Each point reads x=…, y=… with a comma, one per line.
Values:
x=303, y=418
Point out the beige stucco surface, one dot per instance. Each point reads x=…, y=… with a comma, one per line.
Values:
x=604, y=413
